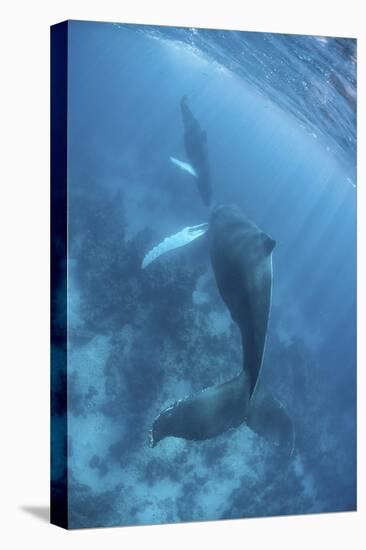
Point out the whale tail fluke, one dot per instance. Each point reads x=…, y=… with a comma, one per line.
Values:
x=205, y=414
x=219, y=408
x=268, y=418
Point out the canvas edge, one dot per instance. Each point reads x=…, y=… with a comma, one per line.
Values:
x=58, y=306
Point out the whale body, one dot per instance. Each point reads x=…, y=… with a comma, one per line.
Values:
x=241, y=257
x=195, y=143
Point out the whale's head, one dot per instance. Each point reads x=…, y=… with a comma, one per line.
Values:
x=230, y=229
x=226, y=216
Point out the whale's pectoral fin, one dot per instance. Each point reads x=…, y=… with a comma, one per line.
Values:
x=268, y=417
x=185, y=166
x=187, y=235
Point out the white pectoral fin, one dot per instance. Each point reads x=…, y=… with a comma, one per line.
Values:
x=187, y=235
x=185, y=166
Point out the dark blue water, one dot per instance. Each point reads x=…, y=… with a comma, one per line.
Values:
x=279, y=113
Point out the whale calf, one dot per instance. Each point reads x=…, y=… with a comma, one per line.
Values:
x=241, y=257
x=195, y=143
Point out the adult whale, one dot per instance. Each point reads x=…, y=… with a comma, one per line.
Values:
x=241, y=257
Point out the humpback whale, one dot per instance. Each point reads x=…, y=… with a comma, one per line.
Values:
x=195, y=143
x=241, y=258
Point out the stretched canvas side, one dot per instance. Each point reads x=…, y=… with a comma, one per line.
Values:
x=59, y=496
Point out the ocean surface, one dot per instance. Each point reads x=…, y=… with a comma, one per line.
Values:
x=279, y=112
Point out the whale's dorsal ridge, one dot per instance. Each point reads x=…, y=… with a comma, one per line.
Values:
x=267, y=242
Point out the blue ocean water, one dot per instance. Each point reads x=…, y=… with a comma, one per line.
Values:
x=279, y=114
